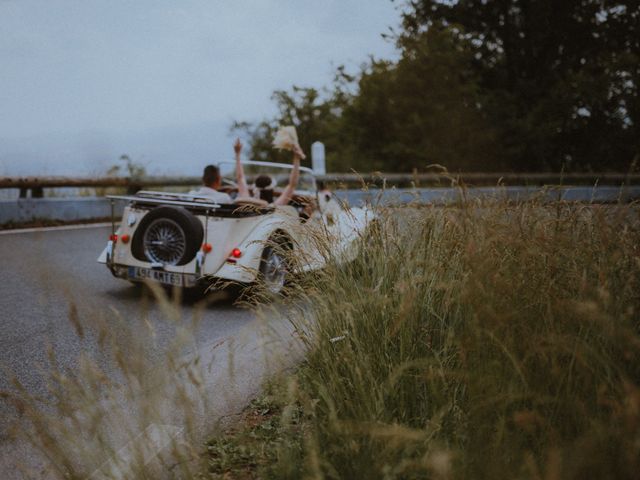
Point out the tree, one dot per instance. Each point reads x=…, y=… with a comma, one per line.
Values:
x=424, y=109
x=390, y=116
x=482, y=85
x=561, y=78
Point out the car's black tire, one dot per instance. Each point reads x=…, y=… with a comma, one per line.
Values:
x=275, y=265
x=185, y=224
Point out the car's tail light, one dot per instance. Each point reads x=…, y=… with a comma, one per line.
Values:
x=206, y=247
x=113, y=237
x=124, y=238
x=236, y=253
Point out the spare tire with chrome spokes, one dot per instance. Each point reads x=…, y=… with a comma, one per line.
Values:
x=167, y=235
x=164, y=242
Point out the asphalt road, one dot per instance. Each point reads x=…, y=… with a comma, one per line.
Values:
x=45, y=276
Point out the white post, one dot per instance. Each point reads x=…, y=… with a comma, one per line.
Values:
x=317, y=158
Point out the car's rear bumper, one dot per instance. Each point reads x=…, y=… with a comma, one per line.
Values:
x=144, y=274
x=229, y=273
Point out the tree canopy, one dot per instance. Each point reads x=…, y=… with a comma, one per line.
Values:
x=482, y=85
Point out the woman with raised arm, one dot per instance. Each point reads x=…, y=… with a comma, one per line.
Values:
x=241, y=181
x=287, y=193
x=264, y=183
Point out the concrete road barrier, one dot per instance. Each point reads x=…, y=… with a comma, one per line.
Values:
x=60, y=209
x=445, y=196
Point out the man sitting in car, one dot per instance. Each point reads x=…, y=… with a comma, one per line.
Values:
x=211, y=181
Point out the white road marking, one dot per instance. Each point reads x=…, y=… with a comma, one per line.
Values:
x=53, y=229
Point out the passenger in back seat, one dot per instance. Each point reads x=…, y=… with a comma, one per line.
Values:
x=264, y=184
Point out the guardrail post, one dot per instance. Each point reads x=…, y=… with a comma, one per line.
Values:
x=36, y=192
x=318, y=158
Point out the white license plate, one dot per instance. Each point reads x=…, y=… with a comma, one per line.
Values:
x=167, y=278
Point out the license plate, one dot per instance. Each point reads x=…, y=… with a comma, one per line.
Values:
x=167, y=278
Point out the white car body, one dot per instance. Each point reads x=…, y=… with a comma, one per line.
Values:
x=234, y=238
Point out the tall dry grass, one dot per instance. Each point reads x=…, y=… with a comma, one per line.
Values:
x=483, y=341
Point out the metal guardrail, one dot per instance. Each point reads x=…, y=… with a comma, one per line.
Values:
x=37, y=184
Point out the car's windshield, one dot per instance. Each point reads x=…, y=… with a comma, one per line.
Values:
x=280, y=173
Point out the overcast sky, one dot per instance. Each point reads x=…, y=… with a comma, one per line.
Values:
x=83, y=81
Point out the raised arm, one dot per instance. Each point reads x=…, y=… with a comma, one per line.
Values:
x=287, y=193
x=243, y=190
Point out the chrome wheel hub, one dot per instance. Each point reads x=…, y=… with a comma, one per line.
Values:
x=164, y=242
x=275, y=271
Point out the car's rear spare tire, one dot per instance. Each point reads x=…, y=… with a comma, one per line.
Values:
x=167, y=235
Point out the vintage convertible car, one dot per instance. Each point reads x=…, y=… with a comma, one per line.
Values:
x=188, y=241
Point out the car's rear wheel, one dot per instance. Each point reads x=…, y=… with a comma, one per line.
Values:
x=273, y=270
x=274, y=266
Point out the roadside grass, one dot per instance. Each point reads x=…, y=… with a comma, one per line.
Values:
x=488, y=340
x=254, y=441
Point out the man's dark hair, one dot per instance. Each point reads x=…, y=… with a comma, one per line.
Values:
x=210, y=175
x=263, y=181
